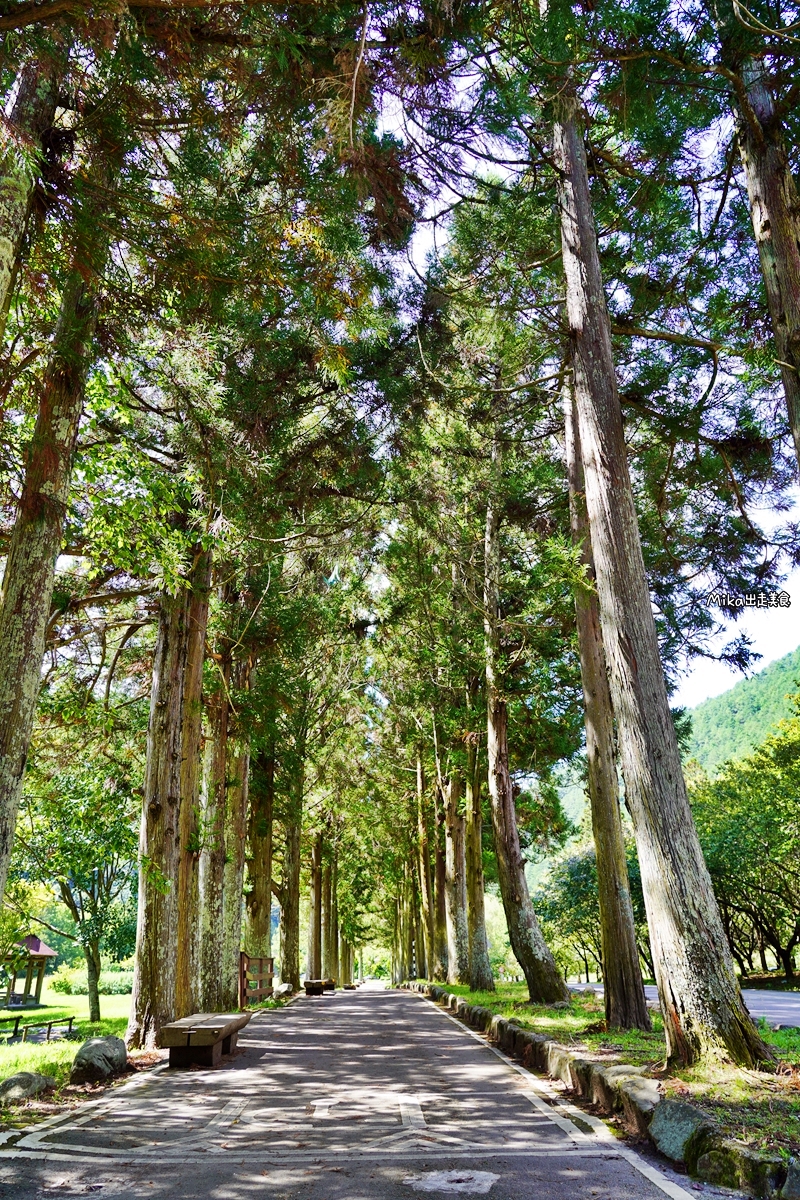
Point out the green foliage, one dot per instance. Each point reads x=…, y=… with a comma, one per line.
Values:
x=567, y=906
x=748, y=818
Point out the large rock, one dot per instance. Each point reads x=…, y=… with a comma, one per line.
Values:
x=732, y=1165
x=99, y=1058
x=791, y=1188
x=641, y=1099
x=23, y=1086
x=678, y=1128
x=282, y=990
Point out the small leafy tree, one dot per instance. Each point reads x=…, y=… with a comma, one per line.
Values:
x=76, y=834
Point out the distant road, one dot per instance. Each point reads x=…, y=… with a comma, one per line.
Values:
x=779, y=1008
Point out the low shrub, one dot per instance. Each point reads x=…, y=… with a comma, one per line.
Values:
x=69, y=981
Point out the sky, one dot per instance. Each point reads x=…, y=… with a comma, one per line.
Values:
x=775, y=632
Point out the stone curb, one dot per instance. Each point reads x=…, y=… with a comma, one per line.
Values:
x=680, y=1131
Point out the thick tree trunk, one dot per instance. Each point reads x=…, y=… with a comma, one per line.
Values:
x=700, y=998
x=314, y=965
x=290, y=896
x=36, y=539
x=542, y=976
x=481, y=978
x=440, y=942
x=237, y=789
x=189, y=835
x=327, y=918
x=625, y=1004
x=31, y=117
x=424, y=868
x=154, y=975
x=347, y=962
x=210, y=991
x=455, y=885
x=258, y=927
x=335, y=963
x=775, y=212
x=92, y=954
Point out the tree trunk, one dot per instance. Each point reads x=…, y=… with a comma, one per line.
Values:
x=775, y=213
x=625, y=1003
x=31, y=117
x=314, y=968
x=290, y=894
x=335, y=963
x=700, y=998
x=258, y=910
x=347, y=962
x=237, y=790
x=210, y=990
x=154, y=974
x=188, y=831
x=36, y=539
x=92, y=953
x=440, y=940
x=545, y=984
x=424, y=866
x=327, y=918
x=455, y=886
x=481, y=978
x=410, y=926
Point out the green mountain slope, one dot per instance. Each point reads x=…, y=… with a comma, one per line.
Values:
x=730, y=725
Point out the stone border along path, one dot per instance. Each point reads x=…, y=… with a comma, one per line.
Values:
x=681, y=1131
x=354, y=1094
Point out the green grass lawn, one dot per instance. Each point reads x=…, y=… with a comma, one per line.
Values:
x=55, y=1057
x=759, y=1108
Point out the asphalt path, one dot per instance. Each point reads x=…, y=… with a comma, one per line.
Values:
x=779, y=1008
x=368, y=1095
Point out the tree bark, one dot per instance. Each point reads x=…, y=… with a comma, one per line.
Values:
x=258, y=909
x=327, y=916
x=210, y=990
x=424, y=868
x=700, y=998
x=237, y=791
x=92, y=954
x=775, y=213
x=455, y=884
x=290, y=894
x=31, y=117
x=542, y=976
x=188, y=829
x=154, y=975
x=36, y=539
x=440, y=941
x=481, y=978
x=625, y=1004
x=314, y=968
x=335, y=961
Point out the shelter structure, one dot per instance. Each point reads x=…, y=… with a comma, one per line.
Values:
x=34, y=967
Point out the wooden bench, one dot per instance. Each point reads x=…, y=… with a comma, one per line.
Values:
x=314, y=987
x=202, y=1038
x=329, y=985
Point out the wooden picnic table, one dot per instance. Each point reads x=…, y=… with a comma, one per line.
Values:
x=202, y=1038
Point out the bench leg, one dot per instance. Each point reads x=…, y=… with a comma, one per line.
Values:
x=187, y=1056
x=229, y=1043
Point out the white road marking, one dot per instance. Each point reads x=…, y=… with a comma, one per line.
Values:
x=602, y=1132
x=475, y=1183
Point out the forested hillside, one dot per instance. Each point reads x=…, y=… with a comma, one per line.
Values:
x=733, y=724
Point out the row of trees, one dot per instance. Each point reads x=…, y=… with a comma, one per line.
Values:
x=330, y=565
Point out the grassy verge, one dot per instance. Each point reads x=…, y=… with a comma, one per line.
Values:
x=55, y=1058
x=758, y=1108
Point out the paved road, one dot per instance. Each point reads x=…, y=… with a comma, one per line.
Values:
x=374, y=1095
x=779, y=1008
